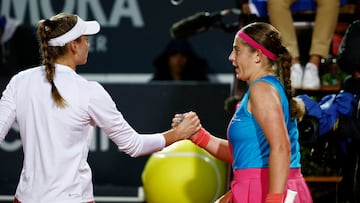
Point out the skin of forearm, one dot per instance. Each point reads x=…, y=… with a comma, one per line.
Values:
x=219, y=148
x=279, y=162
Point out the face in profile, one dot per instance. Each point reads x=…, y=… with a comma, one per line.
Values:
x=240, y=58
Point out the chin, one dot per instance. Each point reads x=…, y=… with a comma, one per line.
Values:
x=240, y=78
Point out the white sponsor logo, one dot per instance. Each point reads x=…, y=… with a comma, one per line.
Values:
x=38, y=9
x=31, y=11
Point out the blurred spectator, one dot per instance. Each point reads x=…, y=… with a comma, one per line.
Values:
x=280, y=15
x=349, y=61
x=348, y=56
x=178, y=61
x=19, y=47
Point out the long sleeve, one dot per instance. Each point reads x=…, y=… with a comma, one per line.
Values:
x=103, y=111
x=7, y=110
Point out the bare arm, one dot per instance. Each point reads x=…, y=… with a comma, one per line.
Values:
x=266, y=107
x=219, y=148
x=216, y=146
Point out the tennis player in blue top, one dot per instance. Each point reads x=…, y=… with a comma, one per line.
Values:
x=262, y=143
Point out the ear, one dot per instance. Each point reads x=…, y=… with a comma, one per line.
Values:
x=73, y=47
x=258, y=56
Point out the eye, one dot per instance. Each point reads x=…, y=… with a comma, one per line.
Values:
x=236, y=50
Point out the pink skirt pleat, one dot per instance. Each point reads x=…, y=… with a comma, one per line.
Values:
x=251, y=186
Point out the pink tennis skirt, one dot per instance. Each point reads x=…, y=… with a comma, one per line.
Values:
x=251, y=186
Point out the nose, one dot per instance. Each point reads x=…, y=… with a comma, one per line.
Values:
x=231, y=56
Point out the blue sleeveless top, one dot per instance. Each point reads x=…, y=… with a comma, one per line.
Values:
x=249, y=146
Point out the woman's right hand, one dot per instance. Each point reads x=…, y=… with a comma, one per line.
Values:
x=188, y=124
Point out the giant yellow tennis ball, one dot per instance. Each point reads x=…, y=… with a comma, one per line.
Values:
x=183, y=173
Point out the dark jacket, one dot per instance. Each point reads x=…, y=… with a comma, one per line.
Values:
x=20, y=52
x=196, y=68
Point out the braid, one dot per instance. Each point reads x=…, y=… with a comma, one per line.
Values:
x=283, y=62
x=297, y=108
x=49, y=54
x=284, y=71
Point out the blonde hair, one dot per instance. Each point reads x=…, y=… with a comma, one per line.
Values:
x=48, y=29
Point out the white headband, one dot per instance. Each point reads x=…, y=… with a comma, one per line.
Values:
x=81, y=28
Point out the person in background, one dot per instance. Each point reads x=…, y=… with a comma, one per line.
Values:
x=56, y=110
x=179, y=62
x=19, y=47
x=348, y=127
x=280, y=16
x=262, y=144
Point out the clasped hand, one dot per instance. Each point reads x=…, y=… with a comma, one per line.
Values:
x=187, y=123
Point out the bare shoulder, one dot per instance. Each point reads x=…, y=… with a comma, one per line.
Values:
x=261, y=88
